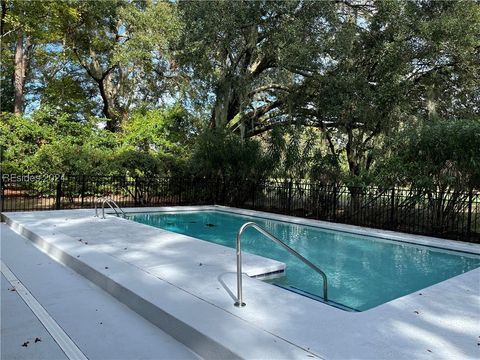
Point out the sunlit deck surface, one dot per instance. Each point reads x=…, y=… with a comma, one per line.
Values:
x=179, y=293
x=100, y=326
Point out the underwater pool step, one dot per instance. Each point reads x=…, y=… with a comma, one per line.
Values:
x=314, y=297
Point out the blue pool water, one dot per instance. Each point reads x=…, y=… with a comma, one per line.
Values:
x=362, y=272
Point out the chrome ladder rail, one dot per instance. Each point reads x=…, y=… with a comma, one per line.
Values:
x=97, y=200
x=112, y=204
x=239, y=302
x=115, y=207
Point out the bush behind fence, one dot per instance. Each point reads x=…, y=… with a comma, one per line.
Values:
x=447, y=214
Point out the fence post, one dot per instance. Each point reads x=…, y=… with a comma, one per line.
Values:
x=392, y=209
x=289, y=199
x=2, y=194
x=58, y=195
x=217, y=184
x=469, y=216
x=83, y=189
x=254, y=190
x=135, y=191
x=224, y=195
x=334, y=202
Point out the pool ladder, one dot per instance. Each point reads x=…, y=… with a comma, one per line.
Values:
x=239, y=302
x=110, y=202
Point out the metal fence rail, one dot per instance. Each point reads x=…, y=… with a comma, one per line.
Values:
x=447, y=214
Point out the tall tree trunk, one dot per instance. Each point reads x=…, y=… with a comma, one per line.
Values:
x=107, y=88
x=111, y=111
x=352, y=156
x=3, y=16
x=219, y=116
x=21, y=62
x=227, y=105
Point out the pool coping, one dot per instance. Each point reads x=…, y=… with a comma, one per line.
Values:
x=413, y=326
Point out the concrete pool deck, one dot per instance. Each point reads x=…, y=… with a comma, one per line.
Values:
x=99, y=325
x=185, y=286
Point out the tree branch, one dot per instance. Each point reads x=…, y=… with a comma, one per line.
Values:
x=263, y=64
x=268, y=87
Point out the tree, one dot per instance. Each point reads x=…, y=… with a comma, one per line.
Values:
x=356, y=71
x=170, y=130
x=20, y=139
x=53, y=142
x=437, y=155
x=387, y=63
x=7, y=64
x=296, y=152
x=124, y=48
x=218, y=154
x=24, y=25
x=242, y=53
x=34, y=61
x=439, y=160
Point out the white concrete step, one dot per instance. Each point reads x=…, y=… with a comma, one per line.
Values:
x=101, y=326
x=206, y=329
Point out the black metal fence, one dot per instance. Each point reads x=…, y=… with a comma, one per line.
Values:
x=447, y=214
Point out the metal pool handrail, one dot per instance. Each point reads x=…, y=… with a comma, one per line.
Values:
x=109, y=202
x=97, y=200
x=115, y=207
x=257, y=227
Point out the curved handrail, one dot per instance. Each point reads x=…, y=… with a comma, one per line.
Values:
x=97, y=200
x=109, y=202
x=257, y=227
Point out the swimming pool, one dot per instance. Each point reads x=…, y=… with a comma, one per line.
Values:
x=363, y=272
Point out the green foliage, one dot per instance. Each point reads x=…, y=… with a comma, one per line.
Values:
x=20, y=139
x=69, y=94
x=157, y=141
x=352, y=73
x=326, y=169
x=219, y=153
x=149, y=27
x=438, y=154
x=154, y=142
x=241, y=53
x=385, y=64
x=52, y=142
x=168, y=131
x=66, y=156
x=123, y=47
x=135, y=163
x=297, y=153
